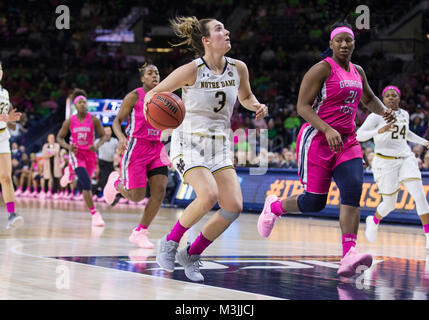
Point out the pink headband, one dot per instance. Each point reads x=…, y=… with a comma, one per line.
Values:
x=391, y=88
x=78, y=98
x=342, y=29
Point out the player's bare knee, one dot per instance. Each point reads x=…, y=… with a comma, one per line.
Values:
x=208, y=200
x=5, y=178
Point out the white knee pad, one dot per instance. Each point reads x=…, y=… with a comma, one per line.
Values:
x=387, y=205
x=415, y=188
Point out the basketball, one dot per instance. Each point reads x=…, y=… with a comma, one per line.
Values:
x=165, y=111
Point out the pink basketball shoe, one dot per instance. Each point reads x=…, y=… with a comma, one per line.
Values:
x=139, y=238
x=97, y=220
x=267, y=218
x=351, y=261
x=110, y=191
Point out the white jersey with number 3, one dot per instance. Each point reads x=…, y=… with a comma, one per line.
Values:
x=210, y=100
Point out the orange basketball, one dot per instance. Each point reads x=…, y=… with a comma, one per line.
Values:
x=165, y=111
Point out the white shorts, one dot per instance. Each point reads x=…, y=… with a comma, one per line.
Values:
x=4, y=141
x=389, y=173
x=190, y=151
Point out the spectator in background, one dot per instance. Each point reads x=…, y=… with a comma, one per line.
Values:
x=418, y=151
x=24, y=177
x=16, y=154
x=16, y=134
x=370, y=157
x=106, y=155
x=425, y=165
x=289, y=162
x=418, y=127
x=291, y=125
x=51, y=167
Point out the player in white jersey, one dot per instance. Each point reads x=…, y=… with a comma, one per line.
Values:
x=201, y=149
x=394, y=163
x=7, y=116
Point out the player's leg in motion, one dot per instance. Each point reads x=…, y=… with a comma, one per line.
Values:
x=349, y=178
x=230, y=200
x=206, y=190
x=85, y=182
x=415, y=188
x=384, y=208
x=157, y=183
x=14, y=220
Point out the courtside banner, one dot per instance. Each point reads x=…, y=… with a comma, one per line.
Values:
x=285, y=183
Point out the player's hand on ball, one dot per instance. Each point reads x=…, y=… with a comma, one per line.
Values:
x=147, y=98
x=261, y=111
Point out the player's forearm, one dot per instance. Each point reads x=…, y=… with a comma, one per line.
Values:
x=365, y=135
x=376, y=106
x=309, y=115
x=249, y=102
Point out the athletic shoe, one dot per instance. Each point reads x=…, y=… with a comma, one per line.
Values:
x=18, y=192
x=191, y=264
x=97, y=220
x=139, y=238
x=166, y=253
x=35, y=194
x=68, y=196
x=267, y=219
x=123, y=201
x=56, y=196
x=42, y=195
x=48, y=195
x=65, y=179
x=27, y=193
x=371, y=229
x=351, y=261
x=14, y=221
x=110, y=191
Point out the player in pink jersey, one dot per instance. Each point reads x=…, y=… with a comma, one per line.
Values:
x=143, y=158
x=327, y=147
x=82, y=150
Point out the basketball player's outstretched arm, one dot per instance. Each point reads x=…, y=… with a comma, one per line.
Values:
x=311, y=84
x=185, y=75
x=127, y=106
x=245, y=94
x=62, y=134
x=100, y=132
x=371, y=101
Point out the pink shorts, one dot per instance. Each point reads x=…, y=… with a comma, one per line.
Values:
x=84, y=158
x=316, y=162
x=141, y=157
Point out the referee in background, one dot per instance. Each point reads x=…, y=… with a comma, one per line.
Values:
x=105, y=158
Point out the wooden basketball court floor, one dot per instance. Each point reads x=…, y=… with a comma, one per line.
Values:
x=57, y=255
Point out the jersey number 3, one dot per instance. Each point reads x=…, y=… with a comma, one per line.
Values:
x=222, y=101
